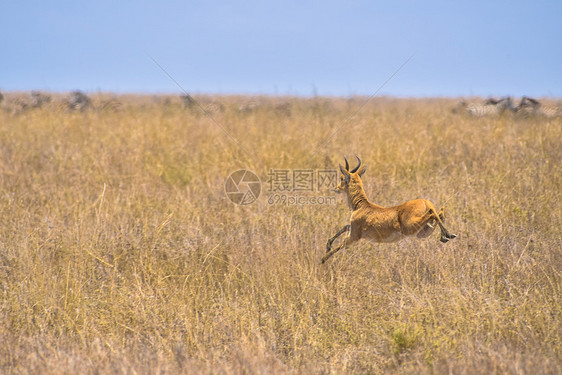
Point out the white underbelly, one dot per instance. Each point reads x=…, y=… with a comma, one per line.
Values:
x=393, y=237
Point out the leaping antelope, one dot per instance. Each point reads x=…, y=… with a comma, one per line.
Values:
x=383, y=224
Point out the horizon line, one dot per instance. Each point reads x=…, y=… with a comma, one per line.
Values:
x=263, y=94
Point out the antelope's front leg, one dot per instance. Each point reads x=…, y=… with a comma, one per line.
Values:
x=346, y=228
x=345, y=243
x=353, y=236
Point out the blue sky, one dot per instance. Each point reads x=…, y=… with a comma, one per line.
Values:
x=485, y=48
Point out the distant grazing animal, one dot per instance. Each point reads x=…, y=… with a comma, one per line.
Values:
x=283, y=109
x=214, y=107
x=15, y=104
x=188, y=101
x=19, y=104
x=110, y=105
x=383, y=224
x=529, y=107
x=79, y=101
x=490, y=107
x=206, y=107
x=38, y=99
x=248, y=107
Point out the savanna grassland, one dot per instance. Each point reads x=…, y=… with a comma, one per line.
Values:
x=121, y=254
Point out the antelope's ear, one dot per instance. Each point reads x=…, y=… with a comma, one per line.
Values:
x=345, y=174
x=362, y=171
x=343, y=171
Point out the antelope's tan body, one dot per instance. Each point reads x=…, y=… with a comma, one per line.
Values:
x=383, y=224
x=390, y=224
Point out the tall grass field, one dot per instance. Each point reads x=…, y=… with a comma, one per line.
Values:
x=121, y=252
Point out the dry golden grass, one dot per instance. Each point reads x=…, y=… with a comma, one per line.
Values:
x=120, y=252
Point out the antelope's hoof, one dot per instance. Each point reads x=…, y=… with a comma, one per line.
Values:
x=452, y=235
x=444, y=239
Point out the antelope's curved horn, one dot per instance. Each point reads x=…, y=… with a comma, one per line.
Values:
x=346, y=163
x=358, y=165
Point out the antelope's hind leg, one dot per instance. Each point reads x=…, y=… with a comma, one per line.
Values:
x=429, y=226
x=445, y=234
x=427, y=229
x=432, y=217
x=441, y=214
